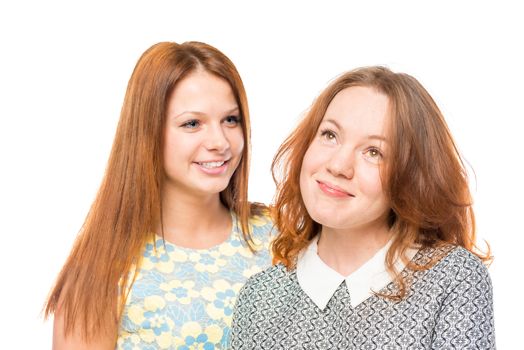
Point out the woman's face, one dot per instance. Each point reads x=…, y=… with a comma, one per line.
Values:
x=203, y=136
x=340, y=179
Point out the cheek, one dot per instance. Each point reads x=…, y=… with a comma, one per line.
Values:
x=313, y=159
x=178, y=148
x=310, y=165
x=371, y=183
x=236, y=140
x=171, y=157
x=303, y=183
x=305, y=170
x=240, y=142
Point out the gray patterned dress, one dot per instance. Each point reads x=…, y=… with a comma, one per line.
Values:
x=448, y=306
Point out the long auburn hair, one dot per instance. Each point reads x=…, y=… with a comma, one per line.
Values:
x=90, y=291
x=423, y=176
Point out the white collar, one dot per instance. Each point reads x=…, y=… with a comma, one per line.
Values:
x=319, y=281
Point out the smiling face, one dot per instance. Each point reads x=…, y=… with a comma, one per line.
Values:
x=203, y=136
x=340, y=176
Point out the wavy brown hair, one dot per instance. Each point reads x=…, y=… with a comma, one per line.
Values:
x=424, y=176
x=89, y=290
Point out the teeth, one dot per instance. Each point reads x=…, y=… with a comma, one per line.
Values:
x=211, y=165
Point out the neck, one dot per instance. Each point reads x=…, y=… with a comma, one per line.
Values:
x=193, y=221
x=345, y=250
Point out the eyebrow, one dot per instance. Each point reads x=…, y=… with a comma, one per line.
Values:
x=332, y=122
x=234, y=109
x=372, y=137
x=377, y=137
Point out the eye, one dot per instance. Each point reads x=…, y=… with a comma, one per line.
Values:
x=373, y=153
x=328, y=135
x=232, y=120
x=191, y=124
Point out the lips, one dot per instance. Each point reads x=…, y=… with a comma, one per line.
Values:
x=214, y=167
x=333, y=190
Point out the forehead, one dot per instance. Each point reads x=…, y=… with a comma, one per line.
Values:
x=201, y=89
x=359, y=108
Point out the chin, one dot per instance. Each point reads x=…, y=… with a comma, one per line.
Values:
x=330, y=219
x=324, y=219
x=211, y=188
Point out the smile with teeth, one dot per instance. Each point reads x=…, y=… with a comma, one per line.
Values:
x=211, y=165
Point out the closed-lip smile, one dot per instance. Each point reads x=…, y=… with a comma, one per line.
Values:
x=333, y=190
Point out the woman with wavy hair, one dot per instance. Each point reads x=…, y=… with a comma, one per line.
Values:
x=376, y=248
x=171, y=236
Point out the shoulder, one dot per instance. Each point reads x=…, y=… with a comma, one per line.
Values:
x=272, y=278
x=458, y=265
x=260, y=217
x=463, y=261
x=274, y=274
x=261, y=226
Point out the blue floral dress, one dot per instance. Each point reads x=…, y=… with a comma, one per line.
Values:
x=183, y=298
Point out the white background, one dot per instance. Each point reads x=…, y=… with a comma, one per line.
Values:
x=64, y=68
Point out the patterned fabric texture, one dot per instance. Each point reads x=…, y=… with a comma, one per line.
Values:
x=183, y=298
x=448, y=306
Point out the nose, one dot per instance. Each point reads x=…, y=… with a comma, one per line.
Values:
x=342, y=163
x=216, y=139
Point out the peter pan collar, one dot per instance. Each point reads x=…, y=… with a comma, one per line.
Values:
x=319, y=281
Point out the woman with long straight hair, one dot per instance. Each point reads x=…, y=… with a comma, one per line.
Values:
x=376, y=248
x=171, y=236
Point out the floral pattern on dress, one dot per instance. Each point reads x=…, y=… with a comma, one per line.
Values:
x=221, y=299
x=194, y=337
x=183, y=298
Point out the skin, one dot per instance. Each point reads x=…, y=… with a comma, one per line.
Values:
x=340, y=179
x=202, y=131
